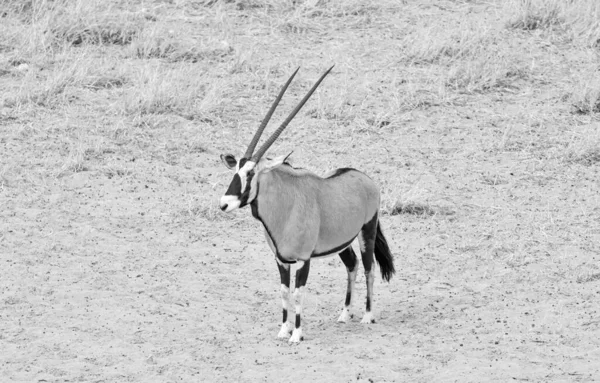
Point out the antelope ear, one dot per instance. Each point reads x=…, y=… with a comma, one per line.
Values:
x=288, y=156
x=229, y=160
x=269, y=163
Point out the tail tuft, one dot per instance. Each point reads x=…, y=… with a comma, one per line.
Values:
x=383, y=256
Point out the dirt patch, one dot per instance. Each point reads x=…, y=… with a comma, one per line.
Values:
x=116, y=263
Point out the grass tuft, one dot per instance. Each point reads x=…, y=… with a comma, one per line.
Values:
x=108, y=31
x=158, y=88
x=420, y=209
x=584, y=22
x=532, y=15
x=588, y=278
x=586, y=100
x=106, y=82
x=434, y=44
x=578, y=21
x=588, y=157
x=486, y=73
x=42, y=26
x=90, y=23
x=177, y=47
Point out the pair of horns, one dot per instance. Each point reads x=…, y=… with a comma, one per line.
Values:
x=257, y=156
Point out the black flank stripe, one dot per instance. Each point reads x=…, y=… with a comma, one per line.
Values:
x=334, y=250
x=254, y=207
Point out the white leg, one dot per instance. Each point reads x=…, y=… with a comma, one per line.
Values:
x=299, y=299
x=284, y=272
x=345, y=315
x=286, y=326
x=368, y=318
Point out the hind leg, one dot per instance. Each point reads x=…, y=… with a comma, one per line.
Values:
x=349, y=258
x=366, y=240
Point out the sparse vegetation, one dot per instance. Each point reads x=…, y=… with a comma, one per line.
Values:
x=416, y=208
x=531, y=15
x=577, y=21
x=479, y=119
x=586, y=99
x=588, y=157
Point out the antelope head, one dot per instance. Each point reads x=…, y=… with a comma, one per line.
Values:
x=242, y=190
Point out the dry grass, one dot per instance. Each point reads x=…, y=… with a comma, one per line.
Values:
x=157, y=89
x=415, y=208
x=531, y=15
x=45, y=26
x=587, y=157
x=488, y=72
x=578, y=21
x=586, y=96
x=478, y=119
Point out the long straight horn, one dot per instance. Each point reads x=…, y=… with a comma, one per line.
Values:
x=268, y=117
x=256, y=157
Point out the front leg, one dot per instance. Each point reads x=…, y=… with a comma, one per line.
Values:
x=301, y=277
x=284, y=273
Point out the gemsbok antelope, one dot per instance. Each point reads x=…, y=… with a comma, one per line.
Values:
x=306, y=216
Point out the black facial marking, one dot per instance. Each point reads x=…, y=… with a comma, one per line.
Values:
x=246, y=193
x=242, y=162
x=235, y=186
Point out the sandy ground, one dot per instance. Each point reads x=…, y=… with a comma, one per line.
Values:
x=122, y=269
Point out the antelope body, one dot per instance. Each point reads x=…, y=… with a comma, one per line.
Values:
x=306, y=216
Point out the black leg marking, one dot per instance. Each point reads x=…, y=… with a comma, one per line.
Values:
x=301, y=277
x=284, y=274
x=348, y=258
x=350, y=261
x=369, y=233
x=302, y=274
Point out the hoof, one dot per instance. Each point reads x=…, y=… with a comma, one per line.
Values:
x=296, y=336
x=344, y=316
x=368, y=318
x=286, y=330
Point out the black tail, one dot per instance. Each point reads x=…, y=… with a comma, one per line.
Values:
x=383, y=256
